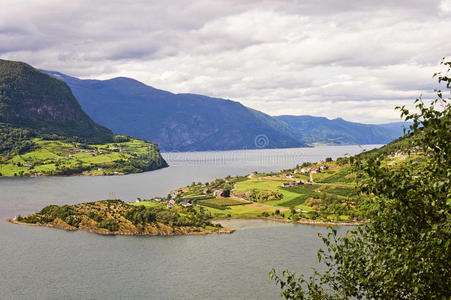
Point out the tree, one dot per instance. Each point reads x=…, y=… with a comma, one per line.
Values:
x=404, y=251
x=226, y=192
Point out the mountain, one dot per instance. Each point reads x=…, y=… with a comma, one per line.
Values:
x=340, y=132
x=45, y=132
x=34, y=100
x=178, y=122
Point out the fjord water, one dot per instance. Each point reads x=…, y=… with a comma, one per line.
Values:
x=43, y=263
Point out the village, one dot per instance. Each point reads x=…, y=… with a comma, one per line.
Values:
x=97, y=151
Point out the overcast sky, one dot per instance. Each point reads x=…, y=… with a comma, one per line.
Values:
x=351, y=59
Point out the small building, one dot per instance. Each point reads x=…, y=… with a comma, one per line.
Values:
x=171, y=204
x=218, y=193
x=186, y=203
x=288, y=184
x=315, y=171
x=207, y=191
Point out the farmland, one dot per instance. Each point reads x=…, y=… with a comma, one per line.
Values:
x=287, y=195
x=58, y=157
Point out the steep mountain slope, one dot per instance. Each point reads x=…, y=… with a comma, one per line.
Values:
x=178, y=122
x=338, y=131
x=32, y=99
x=44, y=131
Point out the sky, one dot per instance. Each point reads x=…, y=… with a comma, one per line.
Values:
x=354, y=59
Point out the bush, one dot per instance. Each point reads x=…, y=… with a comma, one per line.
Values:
x=109, y=224
x=261, y=195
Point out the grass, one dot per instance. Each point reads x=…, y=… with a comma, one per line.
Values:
x=249, y=211
x=341, y=190
x=338, y=175
x=292, y=196
x=272, y=185
x=221, y=203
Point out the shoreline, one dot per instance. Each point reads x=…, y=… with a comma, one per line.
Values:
x=303, y=222
x=225, y=230
x=81, y=174
x=116, y=233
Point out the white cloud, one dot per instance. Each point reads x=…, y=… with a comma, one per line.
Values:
x=350, y=59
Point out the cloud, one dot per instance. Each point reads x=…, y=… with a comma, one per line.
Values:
x=351, y=59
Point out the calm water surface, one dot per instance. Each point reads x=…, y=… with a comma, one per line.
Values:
x=42, y=263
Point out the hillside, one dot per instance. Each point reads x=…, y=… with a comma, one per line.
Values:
x=177, y=122
x=320, y=130
x=44, y=131
x=34, y=100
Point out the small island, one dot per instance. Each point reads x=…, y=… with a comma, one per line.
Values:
x=115, y=217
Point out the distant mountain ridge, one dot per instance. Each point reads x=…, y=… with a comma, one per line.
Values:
x=321, y=130
x=178, y=122
x=190, y=122
x=32, y=99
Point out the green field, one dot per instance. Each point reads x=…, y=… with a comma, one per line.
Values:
x=248, y=211
x=56, y=157
x=147, y=204
x=221, y=203
x=292, y=196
